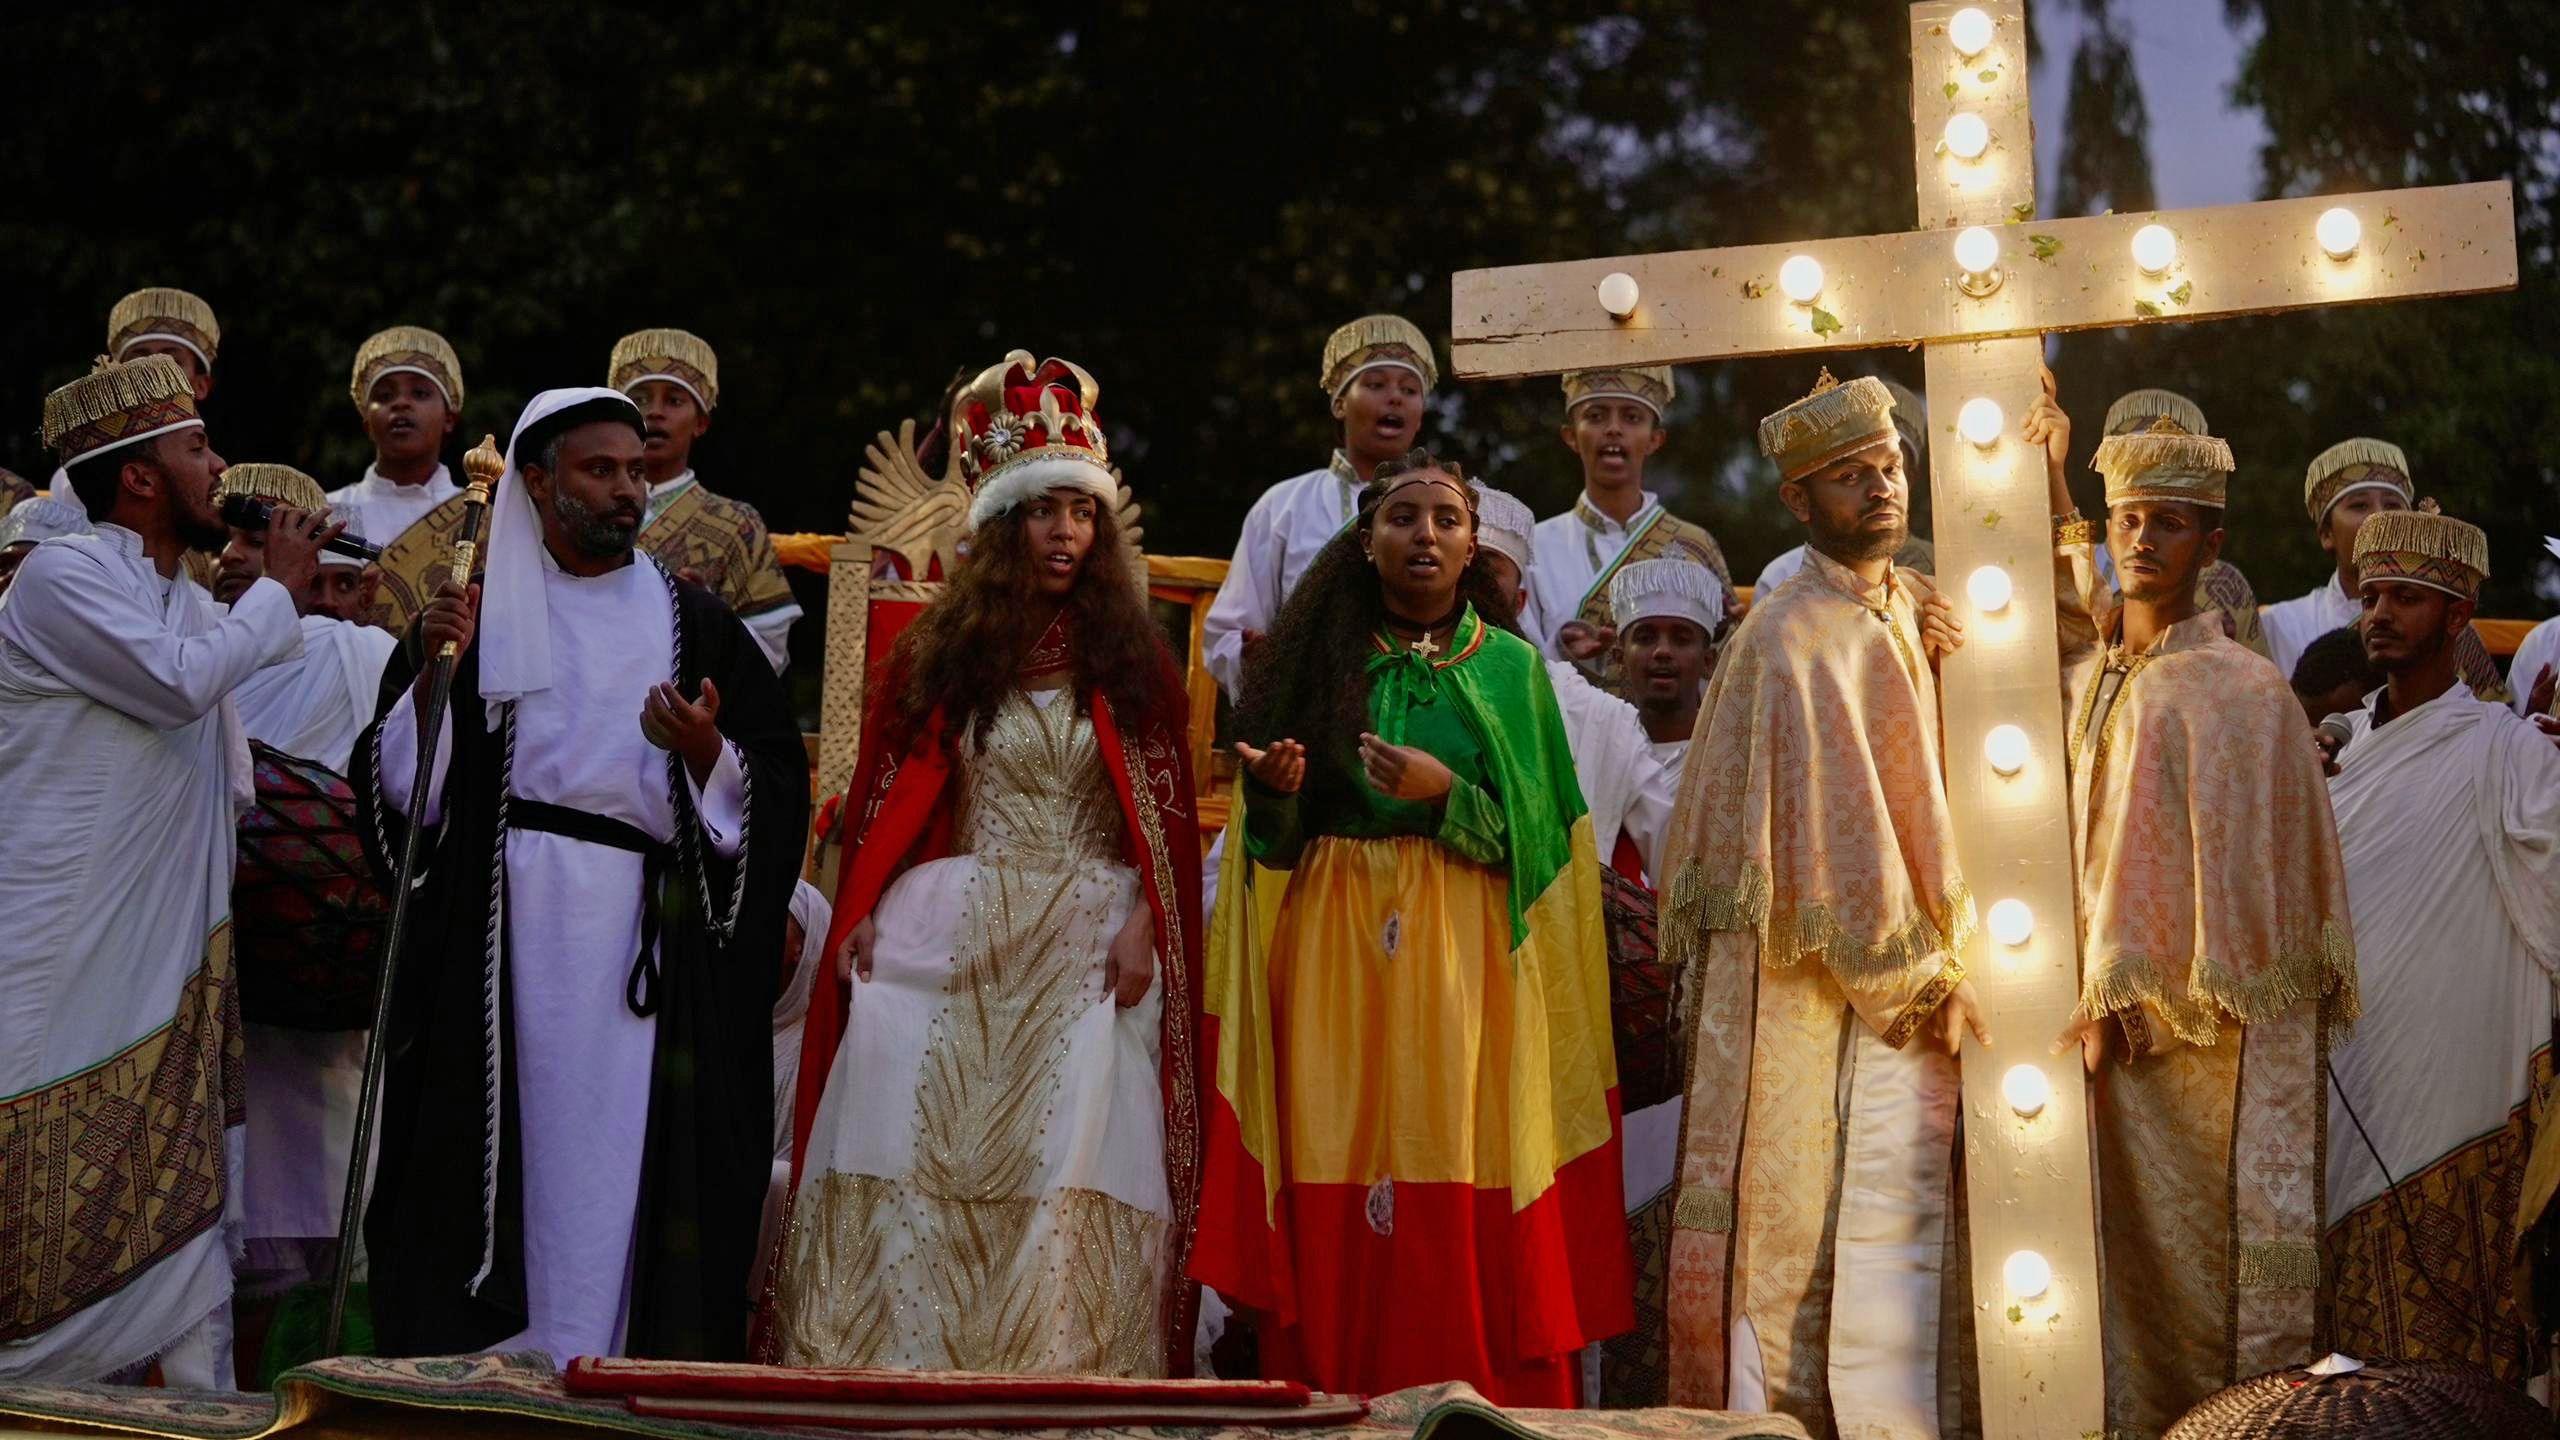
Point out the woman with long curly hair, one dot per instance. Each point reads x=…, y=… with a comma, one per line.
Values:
x=997, y=1131
x=1413, y=1147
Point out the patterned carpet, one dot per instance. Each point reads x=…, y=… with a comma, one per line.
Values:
x=520, y=1395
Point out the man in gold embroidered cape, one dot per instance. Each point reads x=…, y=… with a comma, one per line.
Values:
x=1816, y=906
x=2220, y=587
x=2215, y=949
x=674, y=377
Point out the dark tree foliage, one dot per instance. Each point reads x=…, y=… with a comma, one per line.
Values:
x=853, y=201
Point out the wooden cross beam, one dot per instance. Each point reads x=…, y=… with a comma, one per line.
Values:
x=1979, y=318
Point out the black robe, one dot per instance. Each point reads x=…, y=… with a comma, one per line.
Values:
x=709, y=1155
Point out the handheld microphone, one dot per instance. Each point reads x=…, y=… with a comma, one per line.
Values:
x=2336, y=728
x=252, y=512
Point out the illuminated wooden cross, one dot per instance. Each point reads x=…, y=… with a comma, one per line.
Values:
x=1976, y=285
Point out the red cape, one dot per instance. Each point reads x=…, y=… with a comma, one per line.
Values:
x=898, y=814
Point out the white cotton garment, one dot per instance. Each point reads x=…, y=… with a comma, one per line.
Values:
x=314, y=705
x=1571, y=550
x=125, y=769
x=1282, y=533
x=379, y=510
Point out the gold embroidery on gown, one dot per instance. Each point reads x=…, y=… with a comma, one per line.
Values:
x=965, y=1262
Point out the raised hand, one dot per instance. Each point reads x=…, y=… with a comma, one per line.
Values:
x=1282, y=768
x=1961, y=1012
x=1401, y=772
x=687, y=727
x=294, y=538
x=2047, y=425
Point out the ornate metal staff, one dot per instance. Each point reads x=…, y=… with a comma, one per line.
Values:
x=483, y=465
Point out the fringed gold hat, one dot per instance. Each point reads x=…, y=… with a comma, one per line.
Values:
x=1505, y=525
x=2358, y=464
x=1030, y=425
x=411, y=349
x=160, y=313
x=280, y=483
x=1833, y=421
x=118, y=403
x=2422, y=547
x=1372, y=341
x=2135, y=409
x=2163, y=461
x=1669, y=587
x=679, y=356
x=1650, y=386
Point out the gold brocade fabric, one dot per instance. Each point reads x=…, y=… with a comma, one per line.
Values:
x=108, y=1170
x=2425, y=1275
x=723, y=541
x=2161, y=1133
x=2210, y=879
x=1815, y=879
x=968, y=1261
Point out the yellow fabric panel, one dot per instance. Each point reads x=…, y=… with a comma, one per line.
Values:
x=1236, y=992
x=1493, y=1071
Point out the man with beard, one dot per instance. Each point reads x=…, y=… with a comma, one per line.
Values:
x=123, y=761
x=407, y=388
x=2348, y=484
x=1911, y=427
x=2215, y=954
x=715, y=542
x=1814, y=898
x=577, y=1121
x=25, y=526
x=159, y=320
x=1378, y=373
x=2449, y=818
x=1612, y=424
x=311, y=705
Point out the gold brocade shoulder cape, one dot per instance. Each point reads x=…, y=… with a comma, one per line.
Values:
x=1812, y=811
x=723, y=541
x=2210, y=878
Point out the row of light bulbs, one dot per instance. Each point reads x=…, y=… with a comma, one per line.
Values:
x=2026, y=1273
x=2338, y=232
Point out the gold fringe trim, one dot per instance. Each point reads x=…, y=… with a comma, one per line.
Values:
x=2323, y=971
x=408, y=345
x=1353, y=343
x=1698, y=909
x=2348, y=454
x=2163, y=458
x=2416, y=532
x=275, y=482
x=112, y=388
x=2279, y=1265
x=1826, y=420
x=2137, y=408
x=160, y=307
x=1700, y=1208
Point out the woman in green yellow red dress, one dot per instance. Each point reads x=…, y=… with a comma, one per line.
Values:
x=1412, y=1168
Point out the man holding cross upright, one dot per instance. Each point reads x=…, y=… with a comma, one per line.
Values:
x=1977, y=307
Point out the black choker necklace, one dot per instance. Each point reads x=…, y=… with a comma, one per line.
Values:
x=1400, y=626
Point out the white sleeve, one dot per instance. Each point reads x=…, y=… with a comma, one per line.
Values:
x=1249, y=597
x=69, y=616
x=2541, y=647
x=721, y=803
x=399, y=757
x=2520, y=791
x=772, y=632
x=1649, y=812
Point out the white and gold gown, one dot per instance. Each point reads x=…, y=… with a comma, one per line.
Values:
x=985, y=1182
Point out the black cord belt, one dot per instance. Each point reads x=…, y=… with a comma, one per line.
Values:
x=641, y=991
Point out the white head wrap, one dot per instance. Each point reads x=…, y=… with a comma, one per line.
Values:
x=1504, y=525
x=811, y=912
x=1667, y=588
x=515, y=620
x=41, y=518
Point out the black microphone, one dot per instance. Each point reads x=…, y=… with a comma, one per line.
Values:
x=252, y=512
x=2336, y=728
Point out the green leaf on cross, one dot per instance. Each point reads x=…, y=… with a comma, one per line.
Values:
x=1987, y=76
x=2185, y=292
x=1754, y=289
x=2045, y=246
x=1991, y=520
x=2146, y=309
x=1824, y=322
x=1951, y=89
x=2023, y=211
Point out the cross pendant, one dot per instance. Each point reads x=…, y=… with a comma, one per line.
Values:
x=1425, y=647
